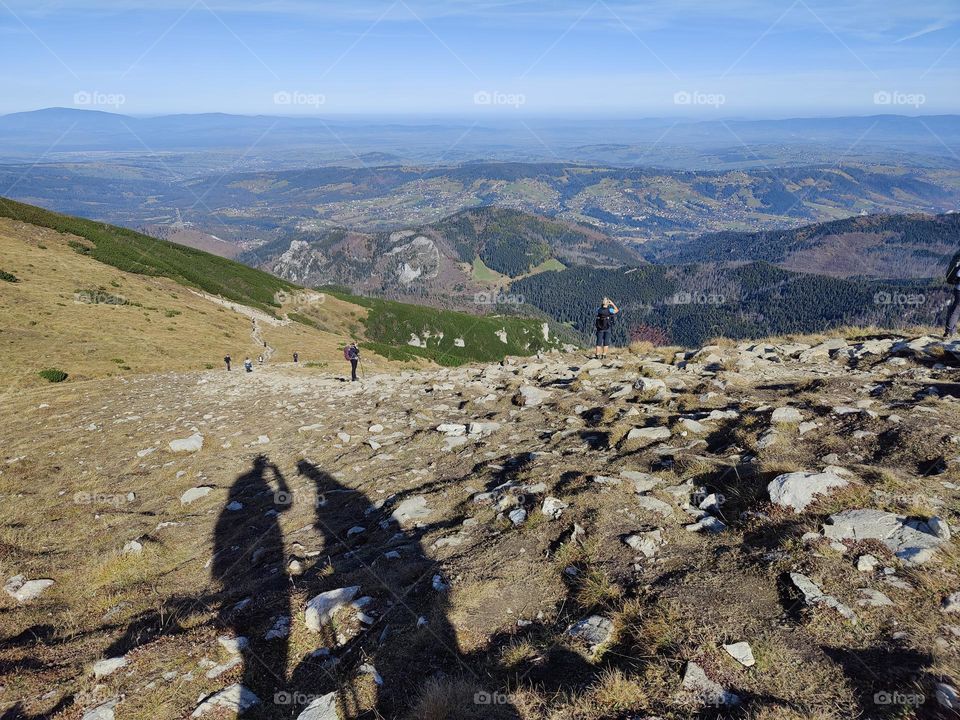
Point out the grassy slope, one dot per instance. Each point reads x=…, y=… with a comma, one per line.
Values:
x=389, y=326
x=137, y=253
x=161, y=326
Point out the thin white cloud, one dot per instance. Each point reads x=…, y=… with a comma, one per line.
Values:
x=924, y=31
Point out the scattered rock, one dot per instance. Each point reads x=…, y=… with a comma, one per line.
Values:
x=194, y=493
x=813, y=595
x=594, y=630
x=742, y=653
x=321, y=708
x=553, y=507
x=411, y=510
x=102, y=668
x=24, y=591
x=912, y=541
x=645, y=543
x=190, y=444
x=707, y=691
x=798, y=489
x=786, y=415
x=235, y=698
x=951, y=603
x=322, y=607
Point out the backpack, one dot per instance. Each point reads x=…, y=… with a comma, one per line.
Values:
x=604, y=319
x=346, y=353
x=953, y=270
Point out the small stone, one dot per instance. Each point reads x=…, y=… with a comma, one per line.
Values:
x=797, y=490
x=518, y=516
x=553, y=507
x=710, y=693
x=742, y=653
x=951, y=603
x=786, y=415
x=190, y=444
x=867, y=563
x=194, y=493
x=322, y=607
x=594, y=630
x=235, y=698
x=872, y=598
x=233, y=645
x=102, y=668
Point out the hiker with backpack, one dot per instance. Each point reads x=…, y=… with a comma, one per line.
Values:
x=352, y=353
x=604, y=323
x=248, y=364
x=953, y=314
x=226, y=359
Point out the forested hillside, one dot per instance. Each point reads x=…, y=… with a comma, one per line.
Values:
x=881, y=246
x=691, y=303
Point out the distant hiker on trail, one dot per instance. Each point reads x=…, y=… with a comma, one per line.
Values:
x=953, y=314
x=296, y=357
x=226, y=359
x=248, y=365
x=352, y=353
x=603, y=323
x=260, y=360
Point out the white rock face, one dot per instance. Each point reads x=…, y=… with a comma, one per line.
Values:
x=411, y=510
x=594, y=630
x=531, y=396
x=102, y=712
x=813, y=595
x=195, y=494
x=322, y=607
x=322, y=708
x=649, y=434
x=798, y=489
x=742, y=653
x=24, y=591
x=787, y=415
x=190, y=444
x=235, y=698
x=707, y=691
x=646, y=543
x=102, y=668
x=912, y=541
x=553, y=507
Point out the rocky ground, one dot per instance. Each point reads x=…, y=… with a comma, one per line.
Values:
x=747, y=531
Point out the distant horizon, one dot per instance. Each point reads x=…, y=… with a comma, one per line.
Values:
x=568, y=115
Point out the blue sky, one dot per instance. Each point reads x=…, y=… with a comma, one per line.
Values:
x=702, y=58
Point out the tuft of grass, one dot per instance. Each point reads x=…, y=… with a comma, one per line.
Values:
x=8, y=277
x=53, y=375
x=615, y=693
